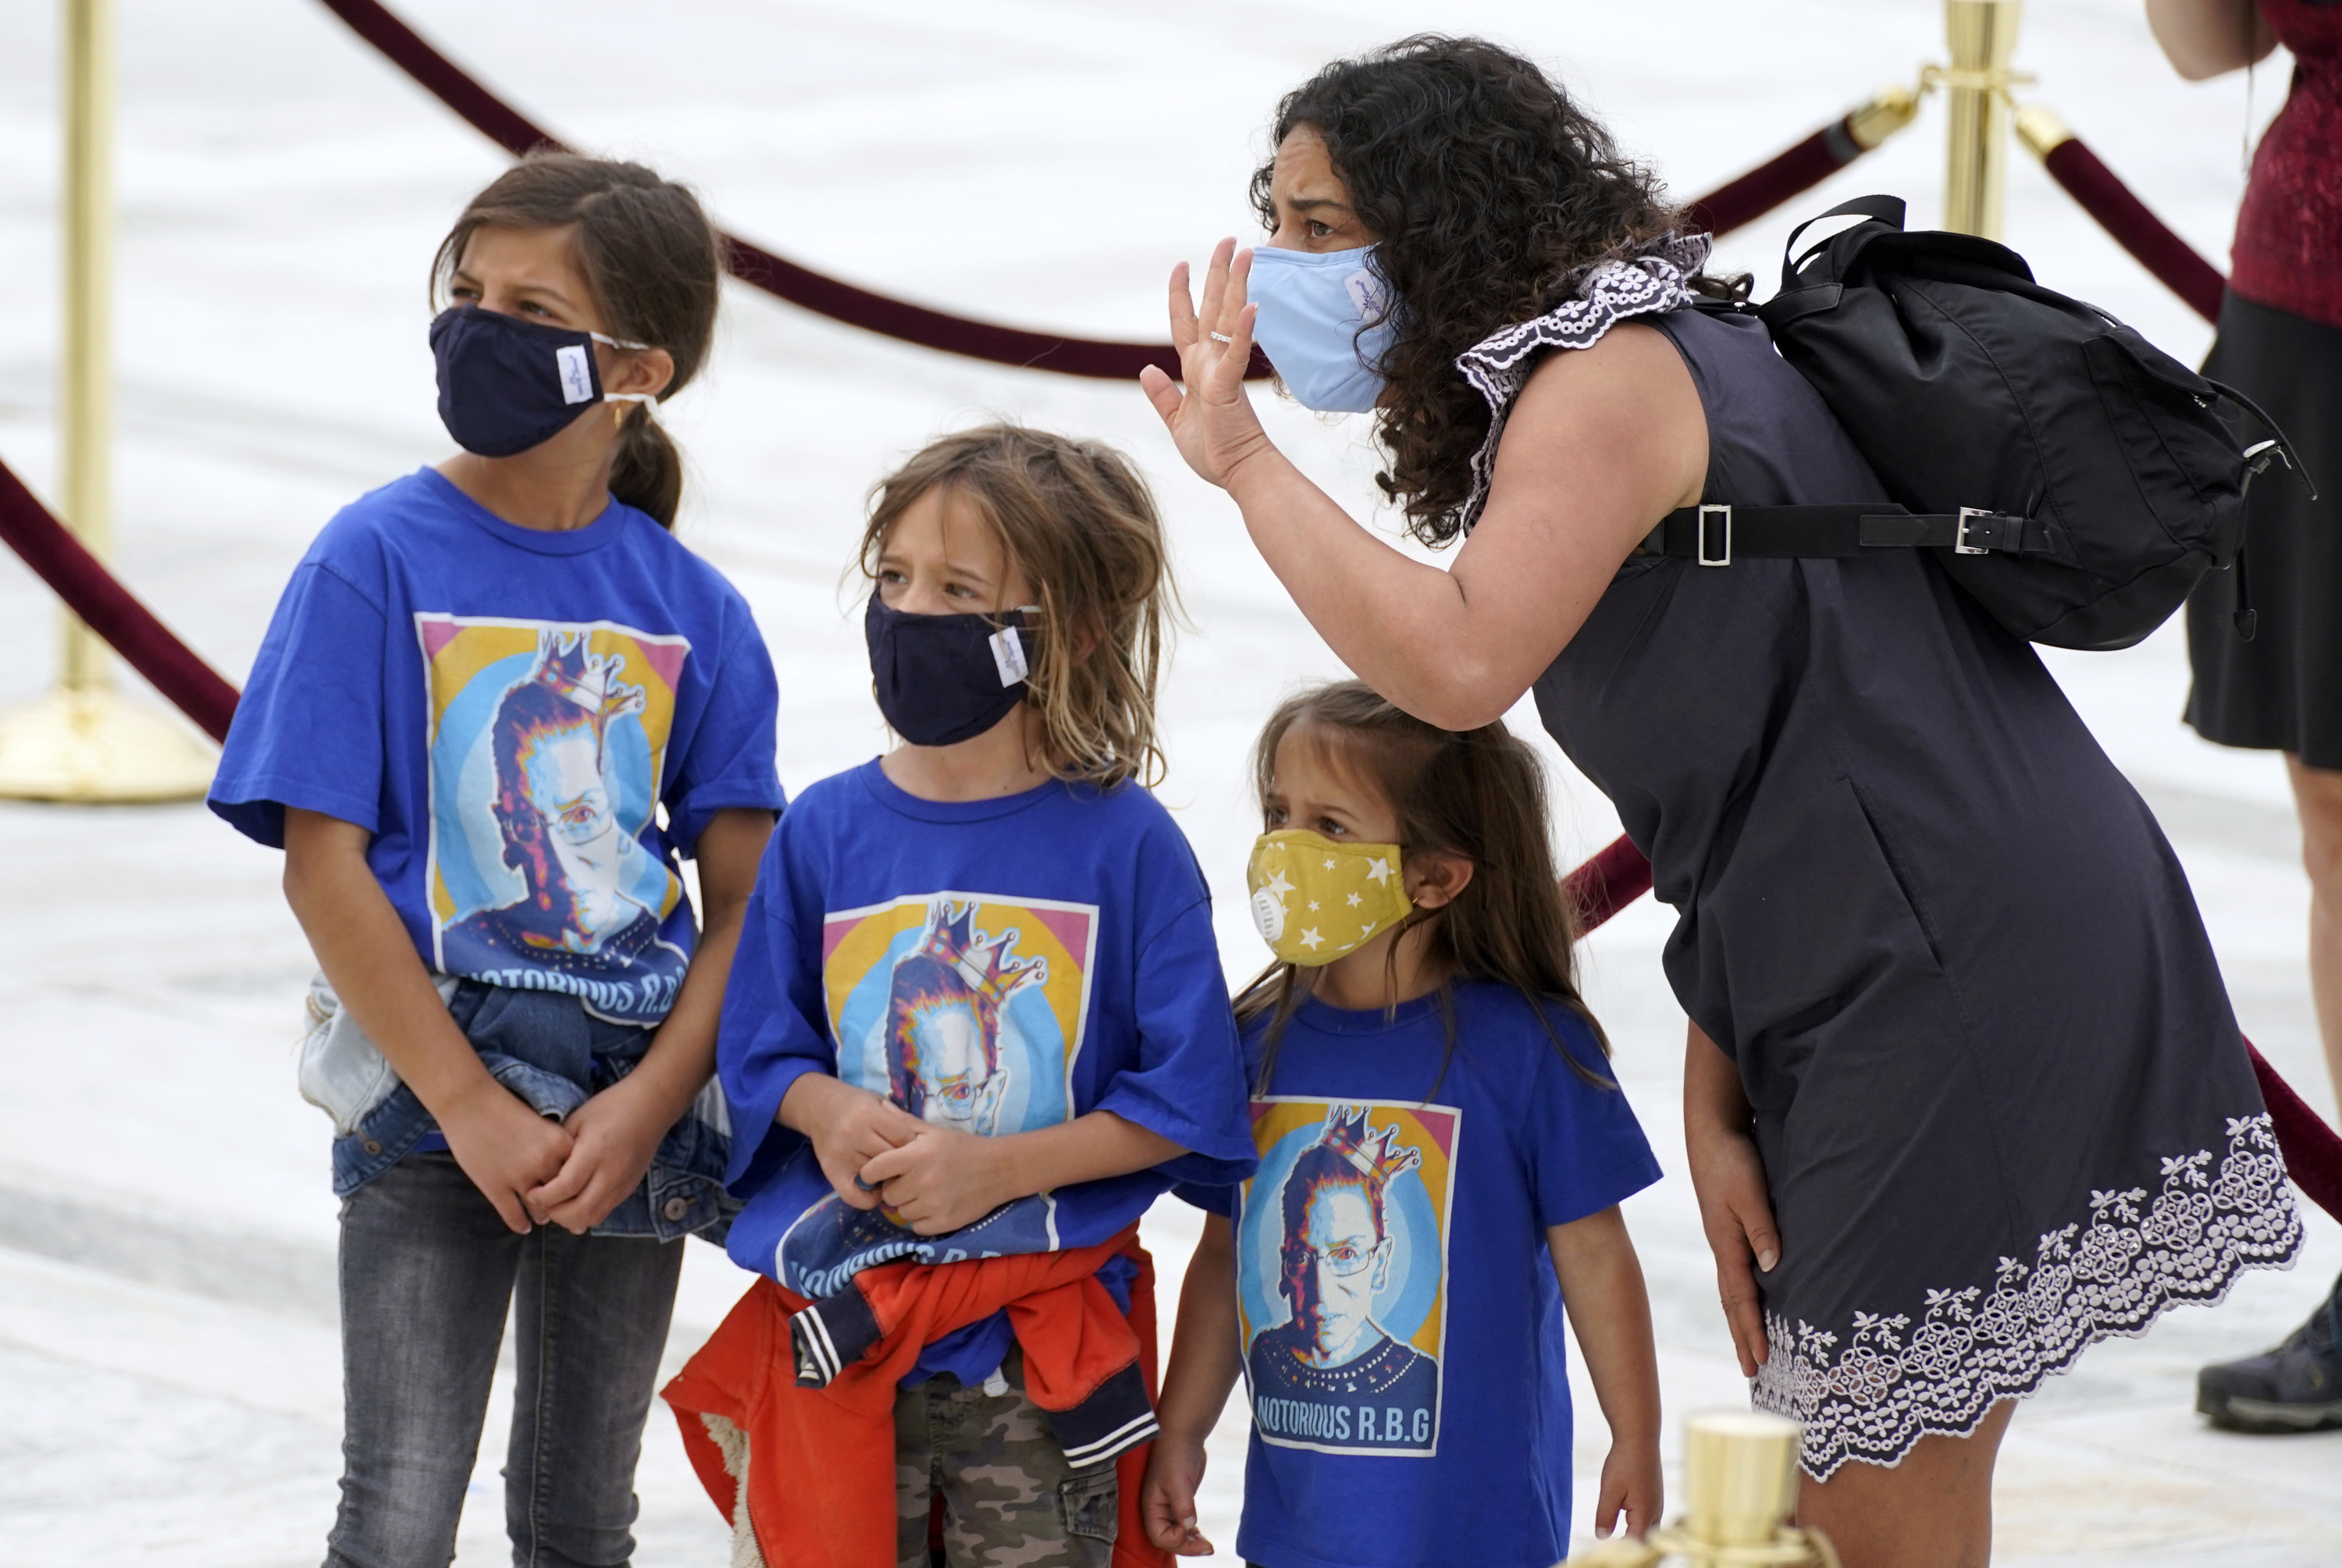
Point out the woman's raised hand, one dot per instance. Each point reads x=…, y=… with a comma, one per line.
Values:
x=1212, y=422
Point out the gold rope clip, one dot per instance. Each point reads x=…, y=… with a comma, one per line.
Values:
x=1934, y=76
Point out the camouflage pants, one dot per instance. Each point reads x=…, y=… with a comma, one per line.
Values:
x=1009, y=1500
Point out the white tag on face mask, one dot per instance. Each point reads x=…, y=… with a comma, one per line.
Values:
x=1008, y=655
x=576, y=374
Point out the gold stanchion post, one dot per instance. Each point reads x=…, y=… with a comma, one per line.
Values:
x=82, y=742
x=1982, y=37
x=1740, y=1491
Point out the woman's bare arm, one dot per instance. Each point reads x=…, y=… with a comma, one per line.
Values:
x=1601, y=444
x=503, y=1145
x=2208, y=38
x=1728, y=1178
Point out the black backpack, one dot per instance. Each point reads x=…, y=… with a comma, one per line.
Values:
x=2077, y=480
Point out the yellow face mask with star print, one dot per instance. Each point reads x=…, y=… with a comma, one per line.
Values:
x=1313, y=900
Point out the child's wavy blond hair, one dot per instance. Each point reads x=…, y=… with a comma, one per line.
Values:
x=1074, y=517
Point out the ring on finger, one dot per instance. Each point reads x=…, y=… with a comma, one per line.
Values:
x=1222, y=337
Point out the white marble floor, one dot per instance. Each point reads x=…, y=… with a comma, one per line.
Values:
x=169, y=1385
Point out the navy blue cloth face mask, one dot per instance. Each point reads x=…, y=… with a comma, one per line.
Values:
x=943, y=679
x=507, y=385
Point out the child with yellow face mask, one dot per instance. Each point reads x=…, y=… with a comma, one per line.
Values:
x=1442, y=1157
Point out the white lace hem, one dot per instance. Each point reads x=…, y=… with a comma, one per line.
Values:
x=1892, y=1384
x=1499, y=365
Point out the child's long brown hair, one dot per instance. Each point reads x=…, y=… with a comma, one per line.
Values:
x=650, y=258
x=1477, y=794
x=1074, y=517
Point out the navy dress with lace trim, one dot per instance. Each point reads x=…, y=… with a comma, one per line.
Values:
x=2002, y=1102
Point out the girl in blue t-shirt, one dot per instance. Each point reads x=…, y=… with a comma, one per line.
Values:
x=483, y=685
x=1441, y=1163
x=978, y=1008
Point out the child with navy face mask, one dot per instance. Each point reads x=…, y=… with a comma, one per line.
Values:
x=977, y=1026
x=484, y=686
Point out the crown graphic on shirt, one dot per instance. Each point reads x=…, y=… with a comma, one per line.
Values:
x=982, y=960
x=1374, y=1152
x=565, y=662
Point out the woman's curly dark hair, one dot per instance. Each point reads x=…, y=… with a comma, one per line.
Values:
x=1492, y=192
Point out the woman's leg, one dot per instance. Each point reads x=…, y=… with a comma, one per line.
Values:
x=589, y=1326
x=1934, y=1510
x=427, y=1274
x=2318, y=795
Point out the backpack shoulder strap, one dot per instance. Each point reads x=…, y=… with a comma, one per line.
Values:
x=1715, y=533
x=1880, y=209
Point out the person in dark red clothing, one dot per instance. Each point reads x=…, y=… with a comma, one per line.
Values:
x=2280, y=687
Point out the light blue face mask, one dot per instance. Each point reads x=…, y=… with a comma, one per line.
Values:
x=1323, y=323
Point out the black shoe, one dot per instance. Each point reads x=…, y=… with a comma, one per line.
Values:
x=2297, y=1387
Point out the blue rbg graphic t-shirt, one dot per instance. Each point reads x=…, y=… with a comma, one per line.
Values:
x=505, y=709
x=1403, y=1333
x=991, y=966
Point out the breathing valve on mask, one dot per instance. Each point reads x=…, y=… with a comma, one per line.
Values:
x=1313, y=900
x=1268, y=915
x=1740, y=1483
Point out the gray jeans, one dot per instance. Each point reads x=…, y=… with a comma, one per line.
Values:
x=428, y=1271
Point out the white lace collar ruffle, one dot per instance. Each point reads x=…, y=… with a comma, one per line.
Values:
x=1608, y=295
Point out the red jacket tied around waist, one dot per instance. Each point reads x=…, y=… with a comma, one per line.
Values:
x=787, y=1410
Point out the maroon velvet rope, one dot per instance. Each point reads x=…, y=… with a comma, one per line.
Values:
x=2139, y=231
x=1767, y=185
x=752, y=263
x=1751, y=195
x=112, y=611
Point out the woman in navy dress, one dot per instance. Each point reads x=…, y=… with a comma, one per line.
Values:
x=1963, y=1091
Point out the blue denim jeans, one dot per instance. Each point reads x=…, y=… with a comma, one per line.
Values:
x=428, y=1270
x=546, y=1048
